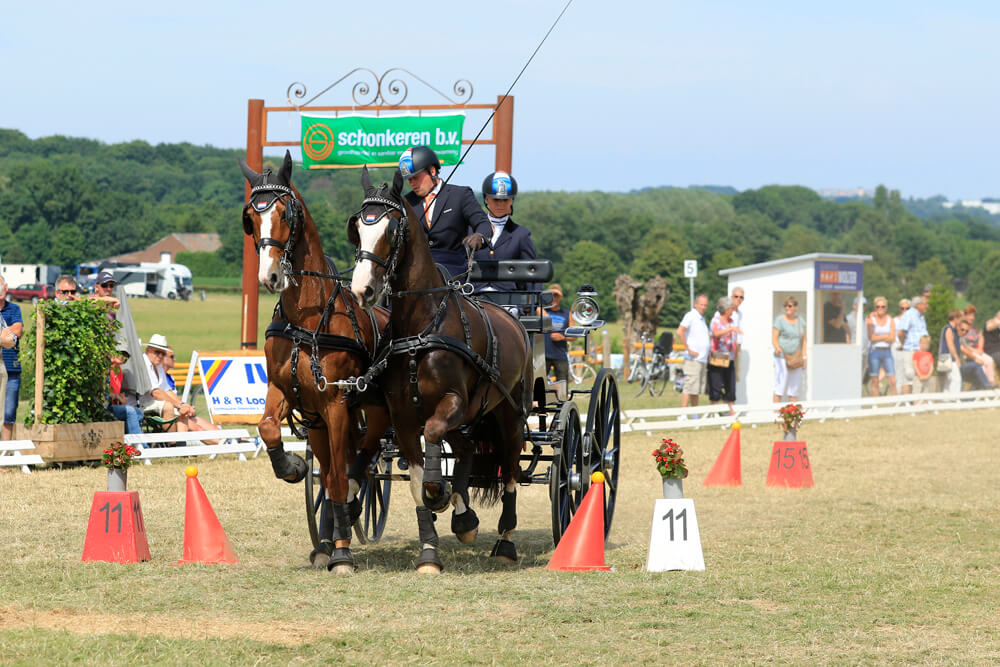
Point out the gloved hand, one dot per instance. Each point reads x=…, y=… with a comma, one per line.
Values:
x=474, y=241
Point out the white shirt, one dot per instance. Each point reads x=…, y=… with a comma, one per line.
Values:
x=157, y=378
x=737, y=318
x=696, y=335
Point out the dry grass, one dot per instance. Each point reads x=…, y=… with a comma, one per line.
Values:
x=893, y=557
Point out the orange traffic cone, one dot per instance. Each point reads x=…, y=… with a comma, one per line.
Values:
x=204, y=539
x=582, y=545
x=726, y=471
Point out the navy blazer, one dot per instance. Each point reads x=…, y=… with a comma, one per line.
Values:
x=514, y=243
x=456, y=215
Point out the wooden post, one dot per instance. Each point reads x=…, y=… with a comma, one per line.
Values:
x=39, y=361
x=503, y=133
x=251, y=290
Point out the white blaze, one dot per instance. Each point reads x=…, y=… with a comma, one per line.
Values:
x=363, y=271
x=266, y=264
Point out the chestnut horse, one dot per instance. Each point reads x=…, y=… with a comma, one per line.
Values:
x=319, y=335
x=456, y=370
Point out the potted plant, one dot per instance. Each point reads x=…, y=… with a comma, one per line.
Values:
x=789, y=419
x=117, y=458
x=670, y=464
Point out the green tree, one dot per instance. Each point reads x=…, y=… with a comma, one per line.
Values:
x=984, y=285
x=590, y=263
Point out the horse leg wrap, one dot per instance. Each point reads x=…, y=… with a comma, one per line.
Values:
x=341, y=522
x=289, y=467
x=505, y=550
x=465, y=522
x=428, y=539
x=342, y=556
x=434, y=480
x=508, y=515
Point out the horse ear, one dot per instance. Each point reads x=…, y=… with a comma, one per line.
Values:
x=397, y=186
x=366, y=180
x=352, y=231
x=248, y=173
x=285, y=173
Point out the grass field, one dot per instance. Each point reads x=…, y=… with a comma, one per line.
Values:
x=893, y=557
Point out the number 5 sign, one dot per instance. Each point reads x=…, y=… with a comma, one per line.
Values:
x=675, y=543
x=789, y=466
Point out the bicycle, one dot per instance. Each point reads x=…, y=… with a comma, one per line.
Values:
x=654, y=372
x=582, y=370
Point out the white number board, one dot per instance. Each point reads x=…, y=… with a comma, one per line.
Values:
x=690, y=268
x=675, y=542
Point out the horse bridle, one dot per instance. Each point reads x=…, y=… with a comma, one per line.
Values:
x=262, y=198
x=398, y=232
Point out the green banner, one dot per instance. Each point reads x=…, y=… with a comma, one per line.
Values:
x=356, y=140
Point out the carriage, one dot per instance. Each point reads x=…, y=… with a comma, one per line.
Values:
x=565, y=450
x=446, y=390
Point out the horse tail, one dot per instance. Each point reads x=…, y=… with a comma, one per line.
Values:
x=485, y=465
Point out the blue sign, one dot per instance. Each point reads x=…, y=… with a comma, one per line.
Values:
x=839, y=276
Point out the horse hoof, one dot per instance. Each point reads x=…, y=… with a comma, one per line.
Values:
x=429, y=563
x=320, y=560
x=342, y=561
x=465, y=526
x=504, y=551
x=428, y=568
x=299, y=469
x=342, y=569
x=439, y=502
x=469, y=537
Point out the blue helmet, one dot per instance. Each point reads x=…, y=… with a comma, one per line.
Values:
x=417, y=159
x=499, y=185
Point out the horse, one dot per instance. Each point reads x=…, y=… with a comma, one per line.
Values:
x=316, y=316
x=456, y=370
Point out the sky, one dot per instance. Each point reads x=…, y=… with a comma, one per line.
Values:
x=623, y=95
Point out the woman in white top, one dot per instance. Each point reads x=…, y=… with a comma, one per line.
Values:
x=788, y=336
x=881, y=334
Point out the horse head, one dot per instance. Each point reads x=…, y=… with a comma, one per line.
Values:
x=272, y=219
x=379, y=232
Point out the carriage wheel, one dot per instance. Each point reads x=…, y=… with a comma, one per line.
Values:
x=374, y=496
x=314, y=498
x=565, y=485
x=603, y=440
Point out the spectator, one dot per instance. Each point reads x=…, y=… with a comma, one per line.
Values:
x=11, y=328
x=121, y=406
x=923, y=365
x=949, y=353
x=104, y=288
x=991, y=338
x=192, y=422
x=911, y=327
x=556, y=349
x=835, y=329
x=693, y=335
x=723, y=354
x=788, y=337
x=450, y=213
x=66, y=289
x=862, y=335
x=882, y=334
x=508, y=240
x=158, y=401
x=737, y=317
x=974, y=342
x=169, y=361
x=897, y=345
x=970, y=369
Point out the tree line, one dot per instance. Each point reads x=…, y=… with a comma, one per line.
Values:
x=65, y=200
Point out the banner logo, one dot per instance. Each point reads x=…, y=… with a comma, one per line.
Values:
x=213, y=371
x=317, y=142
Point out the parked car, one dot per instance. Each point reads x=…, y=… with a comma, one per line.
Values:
x=32, y=292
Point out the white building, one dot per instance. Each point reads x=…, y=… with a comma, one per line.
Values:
x=820, y=282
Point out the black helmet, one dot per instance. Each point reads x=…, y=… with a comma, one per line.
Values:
x=499, y=185
x=415, y=160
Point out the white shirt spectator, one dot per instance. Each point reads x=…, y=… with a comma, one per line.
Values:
x=696, y=335
x=157, y=378
x=737, y=319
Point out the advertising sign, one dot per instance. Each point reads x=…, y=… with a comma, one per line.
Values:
x=839, y=276
x=377, y=141
x=234, y=385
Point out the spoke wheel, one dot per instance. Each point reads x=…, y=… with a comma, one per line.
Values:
x=314, y=498
x=582, y=373
x=603, y=440
x=374, y=497
x=662, y=378
x=565, y=485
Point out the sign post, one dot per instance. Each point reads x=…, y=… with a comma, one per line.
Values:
x=691, y=272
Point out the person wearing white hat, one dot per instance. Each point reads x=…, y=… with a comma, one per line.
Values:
x=160, y=401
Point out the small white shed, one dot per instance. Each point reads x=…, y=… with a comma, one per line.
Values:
x=826, y=287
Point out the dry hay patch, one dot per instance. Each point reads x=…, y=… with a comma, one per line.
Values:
x=173, y=627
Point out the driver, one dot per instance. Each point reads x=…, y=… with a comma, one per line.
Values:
x=508, y=240
x=450, y=212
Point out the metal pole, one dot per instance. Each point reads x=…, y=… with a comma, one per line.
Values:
x=251, y=291
x=691, y=286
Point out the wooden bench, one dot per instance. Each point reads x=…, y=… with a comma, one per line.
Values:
x=180, y=373
x=10, y=454
x=234, y=441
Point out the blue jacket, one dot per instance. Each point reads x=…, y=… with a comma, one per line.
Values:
x=514, y=243
x=456, y=215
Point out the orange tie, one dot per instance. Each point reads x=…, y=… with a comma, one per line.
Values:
x=428, y=200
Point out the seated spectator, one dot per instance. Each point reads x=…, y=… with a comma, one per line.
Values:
x=169, y=361
x=991, y=338
x=974, y=342
x=121, y=407
x=194, y=422
x=157, y=401
x=971, y=370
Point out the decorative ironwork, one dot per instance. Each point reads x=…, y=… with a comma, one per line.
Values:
x=384, y=90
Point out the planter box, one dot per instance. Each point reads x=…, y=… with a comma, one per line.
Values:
x=71, y=442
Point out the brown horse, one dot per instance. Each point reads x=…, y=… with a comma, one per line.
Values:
x=319, y=335
x=456, y=370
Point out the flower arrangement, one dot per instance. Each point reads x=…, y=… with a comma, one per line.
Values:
x=119, y=455
x=790, y=417
x=670, y=459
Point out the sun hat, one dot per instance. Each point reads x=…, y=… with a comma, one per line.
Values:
x=158, y=341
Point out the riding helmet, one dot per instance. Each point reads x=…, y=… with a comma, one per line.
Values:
x=415, y=160
x=499, y=185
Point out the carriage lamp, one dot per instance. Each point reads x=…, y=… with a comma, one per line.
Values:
x=585, y=310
